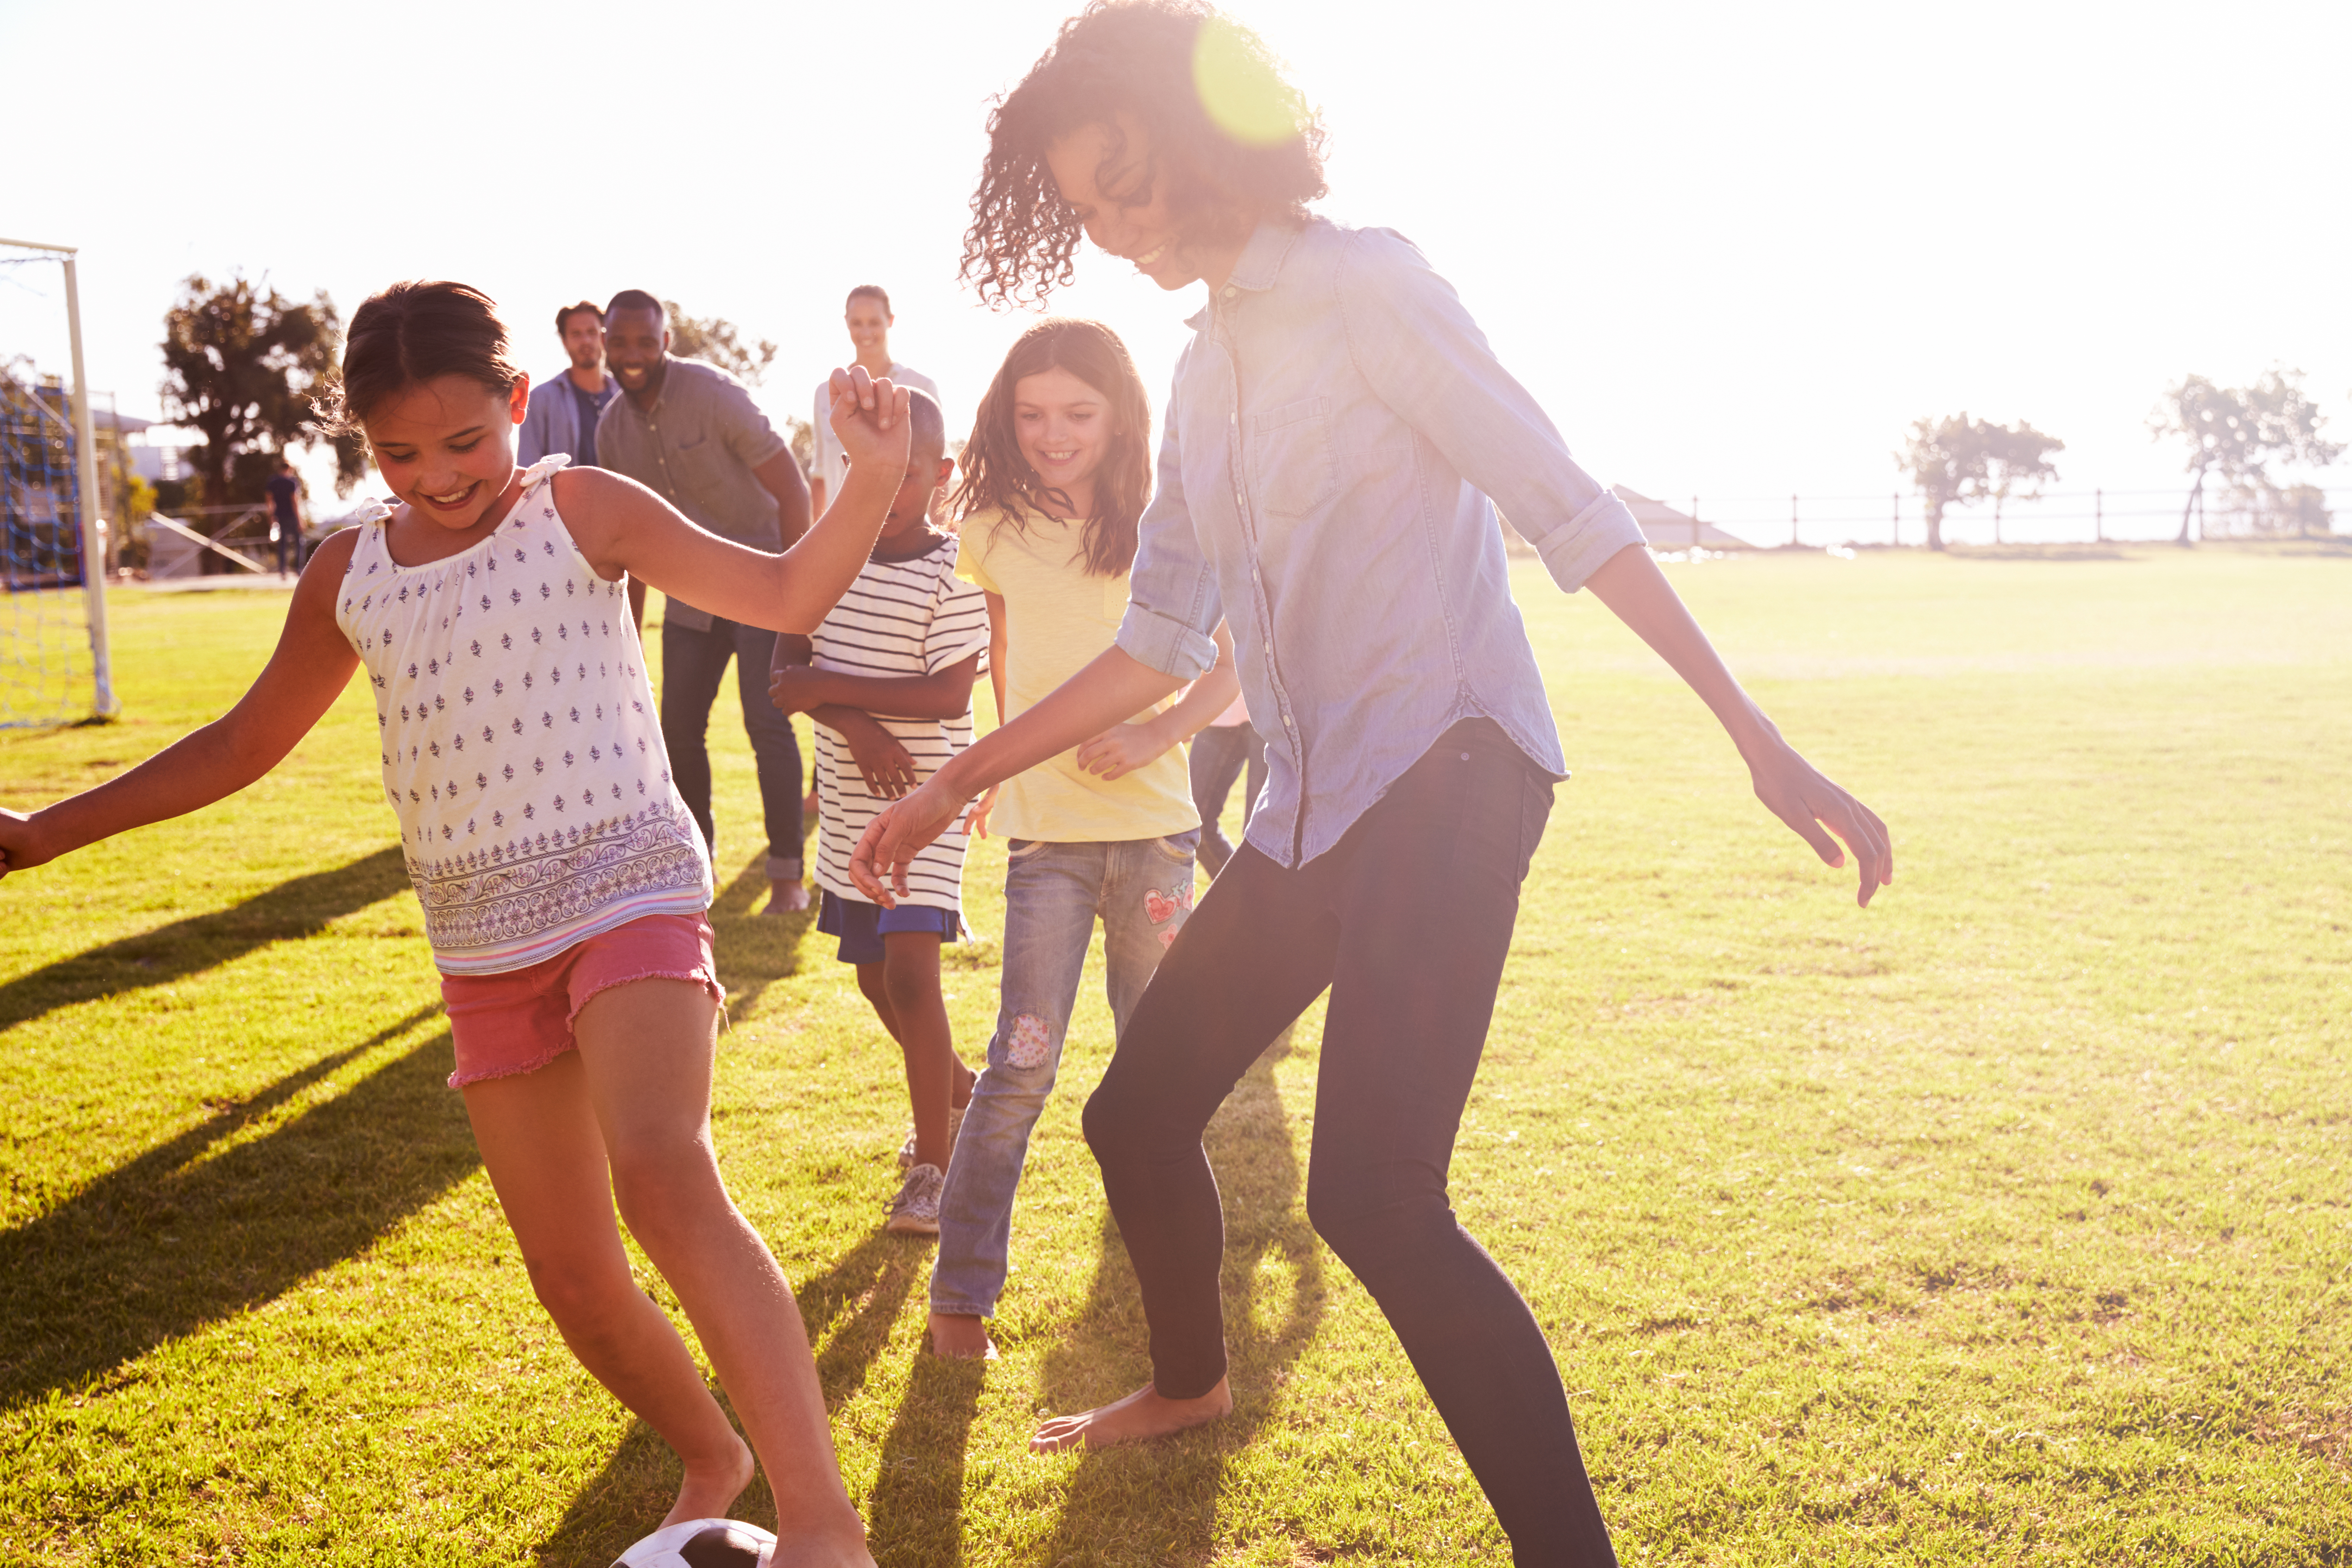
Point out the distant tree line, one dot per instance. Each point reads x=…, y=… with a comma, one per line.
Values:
x=2235, y=436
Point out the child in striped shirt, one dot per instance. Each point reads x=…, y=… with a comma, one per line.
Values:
x=887, y=680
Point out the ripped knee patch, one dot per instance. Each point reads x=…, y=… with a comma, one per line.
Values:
x=1031, y=1043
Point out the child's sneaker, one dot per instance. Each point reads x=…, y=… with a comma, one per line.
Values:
x=955, y=1126
x=916, y=1210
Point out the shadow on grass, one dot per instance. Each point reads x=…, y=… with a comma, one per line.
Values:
x=287, y=912
x=916, y=1515
x=849, y=1309
x=624, y=1503
x=754, y=951
x=174, y=1240
x=1158, y=1502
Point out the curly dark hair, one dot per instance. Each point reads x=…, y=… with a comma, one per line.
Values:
x=1234, y=139
x=996, y=476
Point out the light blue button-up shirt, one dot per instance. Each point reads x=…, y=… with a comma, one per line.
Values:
x=1336, y=429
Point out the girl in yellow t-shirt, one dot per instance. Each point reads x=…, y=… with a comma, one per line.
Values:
x=1055, y=480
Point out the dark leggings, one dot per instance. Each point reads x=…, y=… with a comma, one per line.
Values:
x=1407, y=920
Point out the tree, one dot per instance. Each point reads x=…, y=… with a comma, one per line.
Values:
x=2236, y=432
x=1946, y=459
x=1959, y=461
x=801, y=435
x=716, y=340
x=241, y=364
x=2017, y=463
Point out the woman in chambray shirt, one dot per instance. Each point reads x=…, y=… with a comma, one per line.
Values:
x=1338, y=437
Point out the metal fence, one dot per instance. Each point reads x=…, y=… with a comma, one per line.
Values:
x=2058, y=517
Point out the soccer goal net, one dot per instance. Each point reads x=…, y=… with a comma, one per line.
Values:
x=54, y=666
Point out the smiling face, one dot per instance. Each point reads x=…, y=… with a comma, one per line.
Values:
x=447, y=446
x=1124, y=206
x=1064, y=429
x=637, y=345
x=869, y=328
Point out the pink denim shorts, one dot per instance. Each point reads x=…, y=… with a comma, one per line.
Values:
x=522, y=1020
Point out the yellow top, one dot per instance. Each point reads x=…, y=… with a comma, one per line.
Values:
x=1057, y=619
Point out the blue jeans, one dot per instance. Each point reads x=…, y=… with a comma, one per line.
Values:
x=1141, y=888
x=693, y=665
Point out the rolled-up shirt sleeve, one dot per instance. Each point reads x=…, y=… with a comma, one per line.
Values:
x=743, y=427
x=1173, y=605
x=1425, y=358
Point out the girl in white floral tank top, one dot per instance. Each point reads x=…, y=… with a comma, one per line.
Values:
x=563, y=883
x=521, y=750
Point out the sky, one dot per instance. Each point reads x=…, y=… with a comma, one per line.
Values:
x=1734, y=250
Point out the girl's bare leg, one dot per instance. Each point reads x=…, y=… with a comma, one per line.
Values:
x=540, y=1143
x=918, y=1021
x=647, y=1048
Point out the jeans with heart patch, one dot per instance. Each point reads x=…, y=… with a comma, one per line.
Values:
x=1141, y=891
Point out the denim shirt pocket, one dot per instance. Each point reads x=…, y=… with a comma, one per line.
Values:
x=1290, y=457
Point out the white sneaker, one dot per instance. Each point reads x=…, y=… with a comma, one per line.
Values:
x=955, y=1126
x=916, y=1210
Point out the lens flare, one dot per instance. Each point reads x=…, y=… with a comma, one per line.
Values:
x=1239, y=88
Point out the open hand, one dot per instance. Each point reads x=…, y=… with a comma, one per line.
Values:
x=1121, y=748
x=870, y=418
x=895, y=836
x=1795, y=791
x=978, y=824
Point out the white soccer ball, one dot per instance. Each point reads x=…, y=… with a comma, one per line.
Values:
x=702, y=1543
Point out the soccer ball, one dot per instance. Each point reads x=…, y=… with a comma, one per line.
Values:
x=702, y=1543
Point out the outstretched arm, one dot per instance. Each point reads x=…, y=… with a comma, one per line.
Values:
x=1792, y=789
x=1105, y=692
x=312, y=663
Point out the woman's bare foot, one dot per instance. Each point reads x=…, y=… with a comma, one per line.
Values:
x=1139, y=1417
x=712, y=1489
x=959, y=1336
x=783, y=898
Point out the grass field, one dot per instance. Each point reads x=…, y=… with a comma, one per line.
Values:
x=2009, y=1221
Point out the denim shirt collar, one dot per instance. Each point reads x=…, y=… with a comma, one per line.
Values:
x=1259, y=265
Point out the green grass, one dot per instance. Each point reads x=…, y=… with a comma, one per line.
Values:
x=2006, y=1222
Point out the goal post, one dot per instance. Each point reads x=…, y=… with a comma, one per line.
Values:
x=90, y=555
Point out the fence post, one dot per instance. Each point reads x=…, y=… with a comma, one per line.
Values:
x=1792, y=522
x=1694, y=523
x=2098, y=517
x=1896, y=526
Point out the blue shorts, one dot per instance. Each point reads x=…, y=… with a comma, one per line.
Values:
x=861, y=926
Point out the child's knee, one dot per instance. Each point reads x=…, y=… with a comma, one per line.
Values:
x=580, y=1292
x=1026, y=1045
x=663, y=1183
x=910, y=979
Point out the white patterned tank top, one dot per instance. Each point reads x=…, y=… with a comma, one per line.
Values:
x=522, y=750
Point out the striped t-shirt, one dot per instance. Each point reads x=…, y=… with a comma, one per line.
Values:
x=900, y=618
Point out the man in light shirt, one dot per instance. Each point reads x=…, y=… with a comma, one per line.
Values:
x=869, y=317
